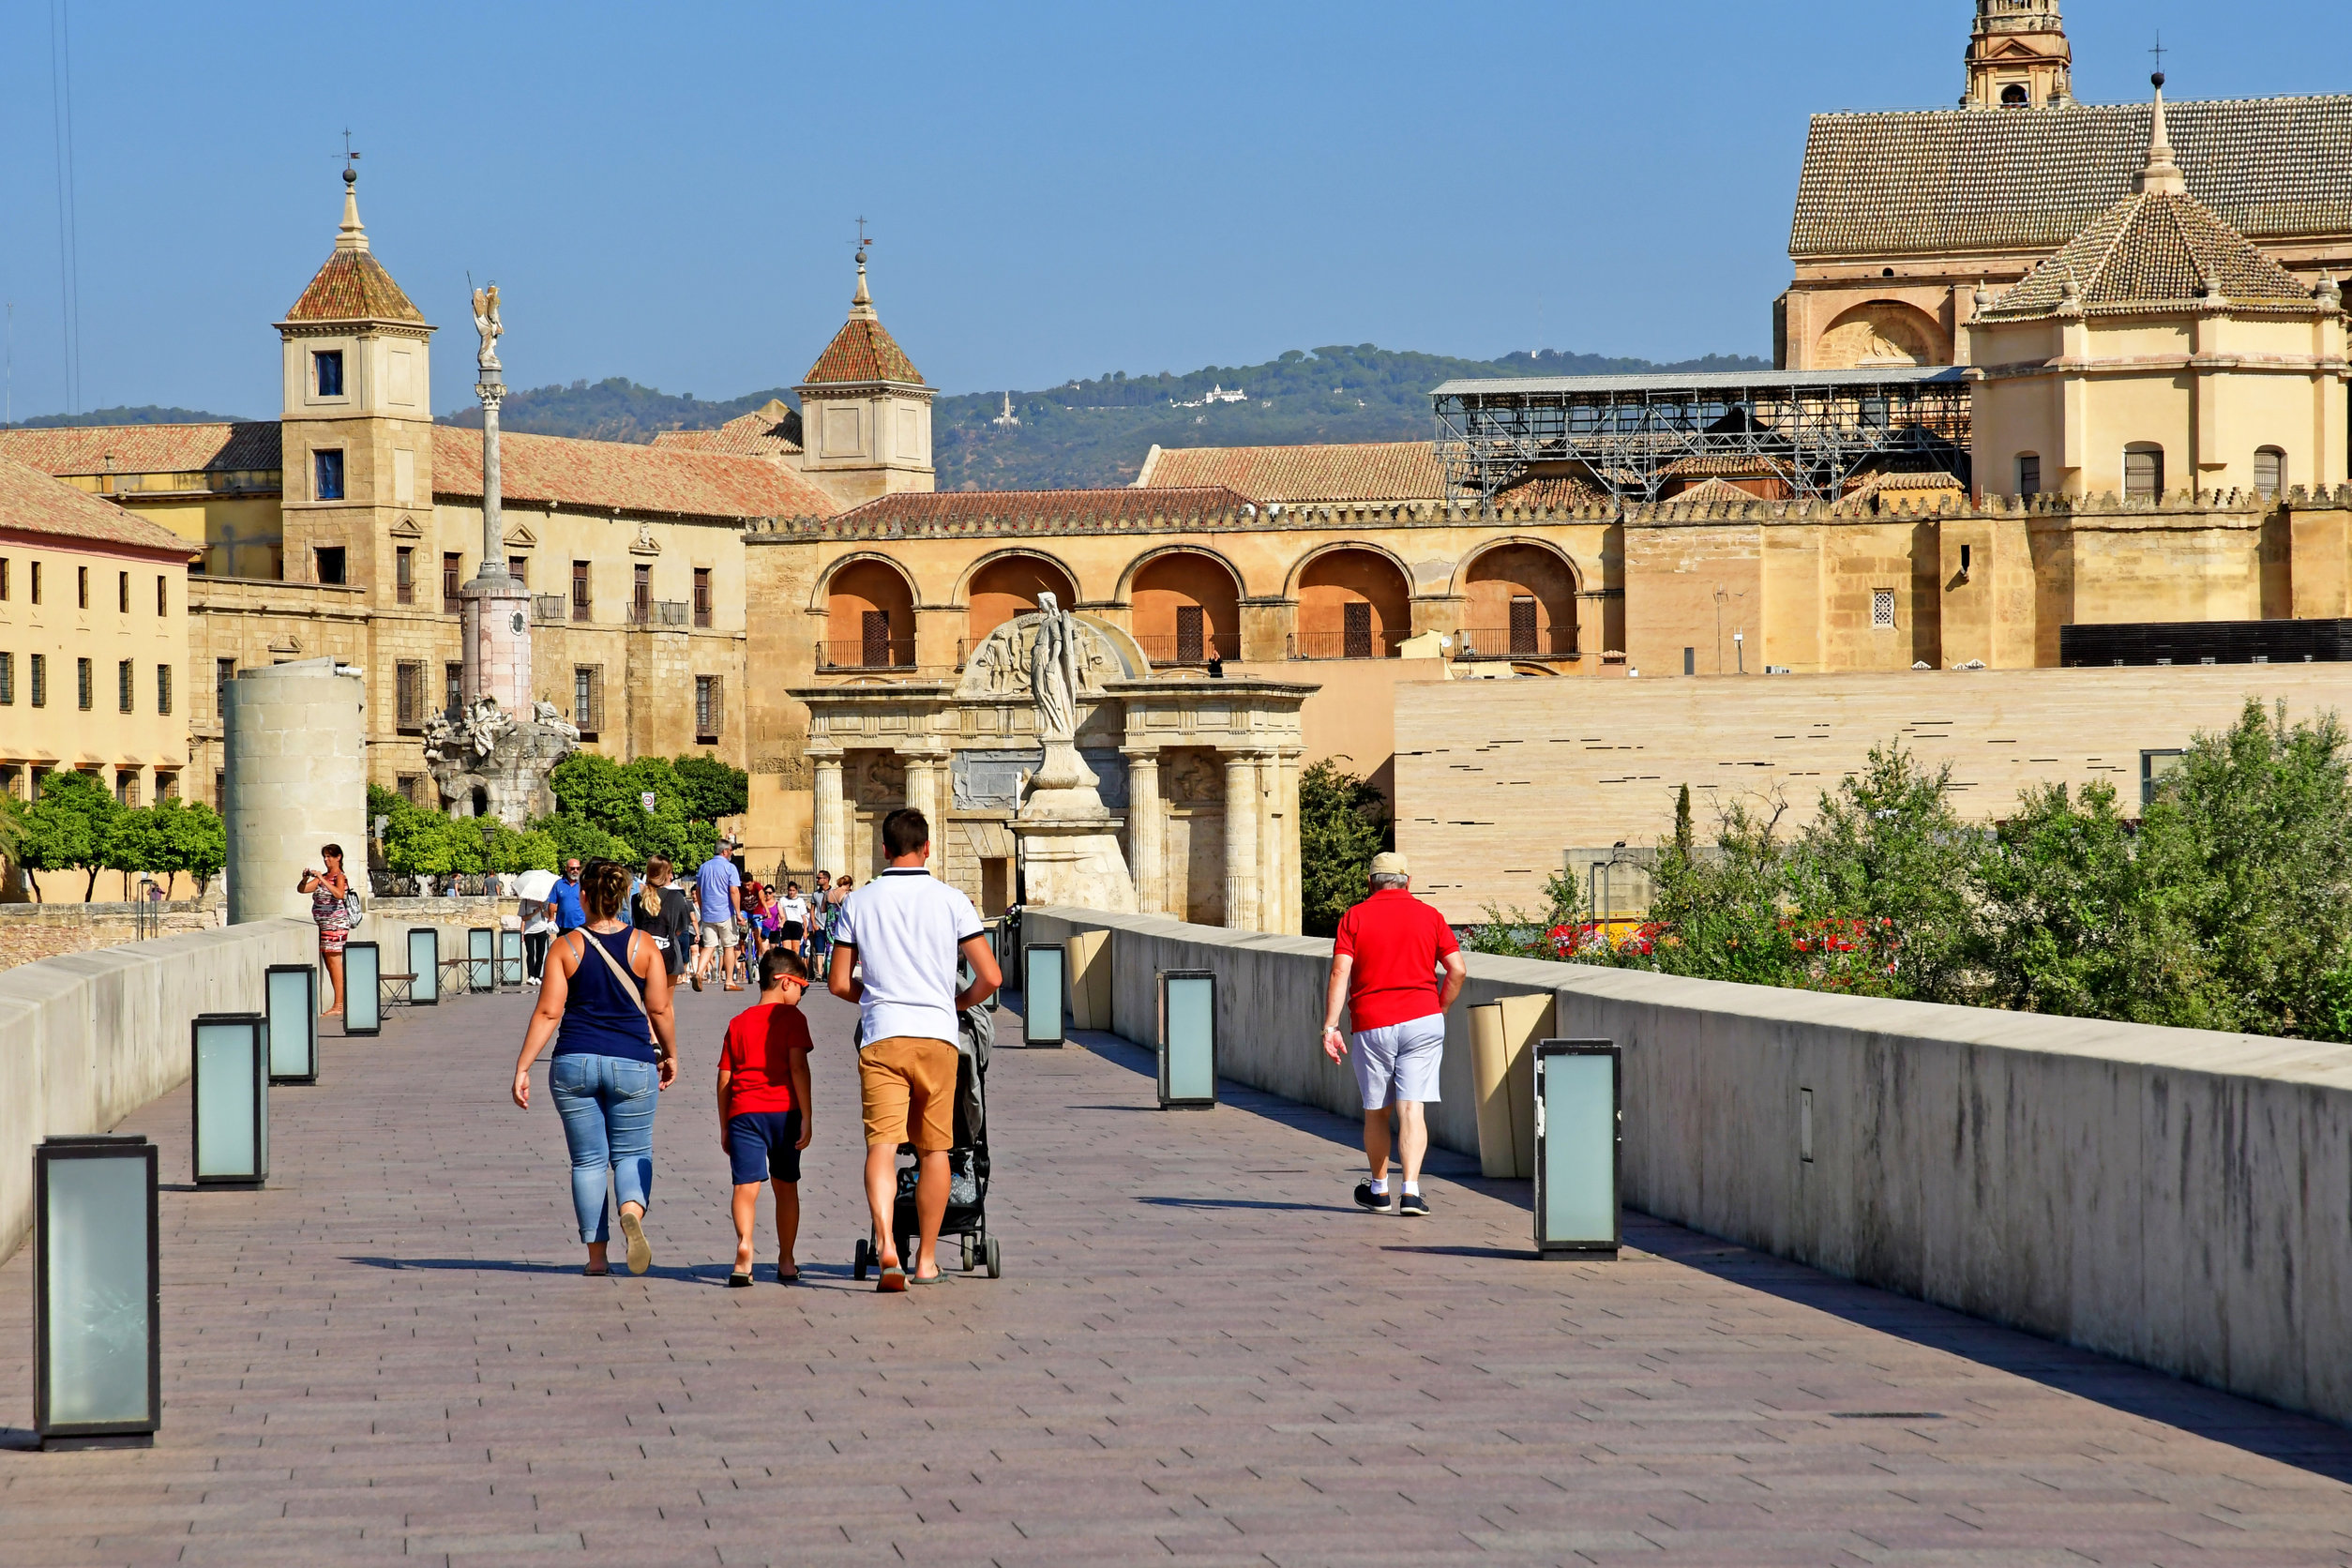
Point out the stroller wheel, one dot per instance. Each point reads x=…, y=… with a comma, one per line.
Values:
x=996, y=1261
x=863, y=1260
x=969, y=1259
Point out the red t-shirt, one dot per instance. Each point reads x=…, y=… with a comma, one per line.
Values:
x=1396, y=941
x=758, y=1057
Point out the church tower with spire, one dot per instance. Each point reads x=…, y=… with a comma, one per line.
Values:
x=355, y=429
x=866, y=411
x=2018, y=56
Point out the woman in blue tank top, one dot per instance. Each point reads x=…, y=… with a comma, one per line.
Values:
x=605, y=1000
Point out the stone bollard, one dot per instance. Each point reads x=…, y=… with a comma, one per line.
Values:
x=297, y=779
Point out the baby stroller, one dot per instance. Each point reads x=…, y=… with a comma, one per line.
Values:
x=967, y=1216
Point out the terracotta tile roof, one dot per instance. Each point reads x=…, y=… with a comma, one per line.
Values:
x=863, y=351
x=1041, y=508
x=2028, y=180
x=1362, y=470
x=757, y=434
x=1710, y=492
x=1934, y=481
x=2153, y=249
x=354, y=286
x=612, y=474
x=1549, y=490
x=245, y=446
x=1728, y=466
x=33, y=501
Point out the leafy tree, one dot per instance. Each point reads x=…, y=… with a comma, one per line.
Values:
x=1883, y=871
x=576, y=836
x=712, y=789
x=533, y=849
x=2066, y=908
x=198, y=840
x=67, y=828
x=421, y=842
x=1343, y=823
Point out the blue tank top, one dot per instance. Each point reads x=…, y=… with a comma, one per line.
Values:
x=599, y=1019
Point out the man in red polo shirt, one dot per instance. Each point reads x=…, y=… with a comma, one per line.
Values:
x=1384, y=970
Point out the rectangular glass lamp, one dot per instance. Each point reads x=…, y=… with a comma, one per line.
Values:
x=1579, y=1143
x=1188, y=1039
x=1045, y=995
x=229, y=1098
x=481, y=958
x=98, y=1312
x=363, y=988
x=424, y=962
x=510, y=957
x=290, y=1000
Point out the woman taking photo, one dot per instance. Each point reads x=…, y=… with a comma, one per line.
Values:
x=335, y=909
x=605, y=999
x=662, y=912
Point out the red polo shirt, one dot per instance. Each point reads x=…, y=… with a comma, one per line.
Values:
x=1396, y=941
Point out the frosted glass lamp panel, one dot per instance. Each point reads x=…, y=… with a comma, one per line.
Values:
x=1191, y=1036
x=229, y=1135
x=96, y=1230
x=1579, y=1109
x=292, y=1017
x=423, y=961
x=1042, y=991
x=363, y=998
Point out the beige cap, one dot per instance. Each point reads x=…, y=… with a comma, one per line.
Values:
x=1389, y=865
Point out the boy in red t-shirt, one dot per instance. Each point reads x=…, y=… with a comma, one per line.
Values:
x=763, y=1107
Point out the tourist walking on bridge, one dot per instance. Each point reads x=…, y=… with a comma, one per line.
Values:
x=605, y=999
x=1385, y=967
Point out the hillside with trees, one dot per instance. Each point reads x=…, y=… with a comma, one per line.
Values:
x=1096, y=432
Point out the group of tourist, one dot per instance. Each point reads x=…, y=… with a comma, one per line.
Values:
x=607, y=983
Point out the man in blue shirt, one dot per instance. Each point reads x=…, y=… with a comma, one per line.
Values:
x=718, y=895
x=570, y=914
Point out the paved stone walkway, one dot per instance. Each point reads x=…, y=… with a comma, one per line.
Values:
x=1199, y=1351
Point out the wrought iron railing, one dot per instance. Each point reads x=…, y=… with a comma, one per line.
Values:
x=669, y=612
x=1346, y=644
x=549, y=607
x=856, y=653
x=1182, y=650
x=1540, y=642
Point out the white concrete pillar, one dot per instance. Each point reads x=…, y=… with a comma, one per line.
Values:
x=296, y=760
x=1241, y=842
x=1144, y=829
x=1272, y=875
x=828, y=847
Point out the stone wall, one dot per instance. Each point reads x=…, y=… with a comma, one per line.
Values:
x=31, y=932
x=2174, y=1198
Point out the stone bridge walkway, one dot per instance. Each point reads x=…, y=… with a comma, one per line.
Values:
x=1199, y=1350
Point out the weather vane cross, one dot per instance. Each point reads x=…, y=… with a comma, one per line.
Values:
x=2160, y=50
x=861, y=233
x=348, y=155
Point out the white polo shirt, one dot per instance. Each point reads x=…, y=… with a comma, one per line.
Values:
x=906, y=925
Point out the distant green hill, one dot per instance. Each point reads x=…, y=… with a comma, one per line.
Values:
x=1097, y=431
x=146, y=413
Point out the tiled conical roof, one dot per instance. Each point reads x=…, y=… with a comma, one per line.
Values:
x=353, y=285
x=862, y=350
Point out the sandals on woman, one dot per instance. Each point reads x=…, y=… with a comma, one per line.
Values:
x=893, y=1280
x=641, y=1250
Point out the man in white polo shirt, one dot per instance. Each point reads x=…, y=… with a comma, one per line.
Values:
x=901, y=934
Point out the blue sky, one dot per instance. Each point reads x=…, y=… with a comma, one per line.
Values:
x=670, y=192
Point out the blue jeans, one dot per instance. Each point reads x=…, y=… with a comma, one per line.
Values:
x=607, y=1104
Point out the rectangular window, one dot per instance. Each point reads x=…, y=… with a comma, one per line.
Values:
x=1523, y=624
x=167, y=786
x=82, y=586
x=2271, y=471
x=2029, y=474
x=8, y=680
x=588, y=699
x=163, y=688
x=1355, y=621
x=404, y=574
x=874, y=634
x=34, y=567
x=2144, y=473
x=328, y=472
x=125, y=675
x=579, y=590
x=411, y=787
x=2155, y=767
x=84, y=696
x=4, y=577
x=220, y=789
x=122, y=593
x=331, y=565
x=515, y=565
x=1690, y=661
x=1191, y=634
x=702, y=595
x=709, y=713
x=408, y=691
x=162, y=594
x=329, y=365
x=452, y=574
x=39, y=676
x=642, y=595
x=455, y=674
x=1882, y=608
x=223, y=671
x=126, y=788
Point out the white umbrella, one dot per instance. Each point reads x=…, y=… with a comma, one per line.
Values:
x=535, y=886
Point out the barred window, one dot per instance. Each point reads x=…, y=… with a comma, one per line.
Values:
x=588, y=699
x=163, y=688
x=122, y=593
x=82, y=681
x=1882, y=608
x=167, y=786
x=39, y=677
x=81, y=587
x=127, y=787
x=709, y=710
x=8, y=680
x=162, y=594
x=2144, y=471
x=223, y=671
x=2269, y=469
x=408, y=693
x=124, y=676
x=455, y=674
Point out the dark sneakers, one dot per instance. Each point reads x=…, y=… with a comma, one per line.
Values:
x=1367, y=1199
x=1411, y=1207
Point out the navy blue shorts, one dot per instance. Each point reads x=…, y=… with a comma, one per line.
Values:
x=763, y=1146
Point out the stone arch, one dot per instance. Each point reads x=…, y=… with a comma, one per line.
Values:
x=1356, y=601
x=1184, y=604
x=1007, y=583
x=869, y=614
x=1518, y=599
x=1882, y=333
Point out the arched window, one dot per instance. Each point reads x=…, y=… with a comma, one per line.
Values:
x=2029, y=474
x=2144, y=471
x=2269, y=469
x=2013, y=95
x=1186, y=607
x=869, y=618
x=1352, y=604
x=1519, y=602
x=1007, y=587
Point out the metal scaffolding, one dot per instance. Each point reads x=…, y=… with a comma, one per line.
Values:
x=1811, y=429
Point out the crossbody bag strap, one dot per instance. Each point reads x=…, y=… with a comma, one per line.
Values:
x=628, y=981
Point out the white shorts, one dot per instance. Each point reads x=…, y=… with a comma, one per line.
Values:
x=1398, y=1063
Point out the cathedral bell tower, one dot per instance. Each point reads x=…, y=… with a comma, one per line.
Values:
x=2018, y=56
x=866, y=411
